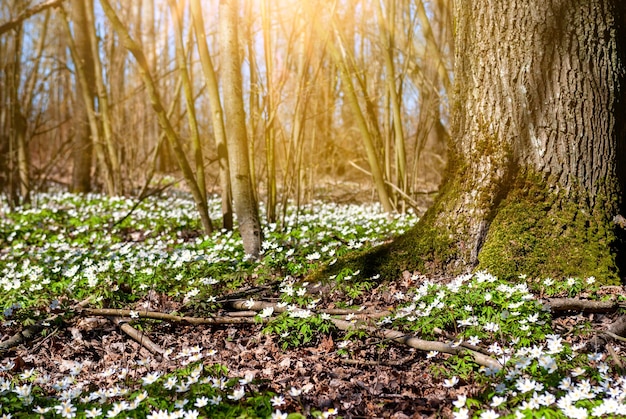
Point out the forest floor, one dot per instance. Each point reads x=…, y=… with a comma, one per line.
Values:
x=353, y=347
x=378, y=379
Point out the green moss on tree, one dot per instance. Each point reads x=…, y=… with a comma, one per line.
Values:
x=541, y=232
x=536, y=230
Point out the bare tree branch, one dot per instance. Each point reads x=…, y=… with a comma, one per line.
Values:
x=7, y=26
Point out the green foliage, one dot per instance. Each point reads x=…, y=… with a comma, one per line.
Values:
x=298, y=328
x=71, y=248
x=474, y=307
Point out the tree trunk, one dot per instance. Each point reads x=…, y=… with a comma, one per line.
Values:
x=236, y=135
x=537, y=135
x=82, y=147
x=537, y=160
x=216, y=114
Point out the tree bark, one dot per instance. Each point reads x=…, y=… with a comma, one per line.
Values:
x=235, y=125
x=536, y=128
x=82, y=147
x=537, y=156
x=216, y=113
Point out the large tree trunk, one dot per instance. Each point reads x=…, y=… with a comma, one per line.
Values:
x=534, y=186
x=536, y=171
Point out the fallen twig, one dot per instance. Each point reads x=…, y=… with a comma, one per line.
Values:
x=260, y=305
x=156, y=315
x=585, y=306
x=394, y=335
x=376, y=363
x=30, y=332
x=22, y=336
x=140, y=337
x=423, y=345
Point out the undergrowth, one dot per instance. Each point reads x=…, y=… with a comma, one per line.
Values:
x=68, y=249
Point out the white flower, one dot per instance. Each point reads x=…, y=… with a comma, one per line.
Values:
x=247, y=379
x=170, y=383
x=554, y=344
x=594, y=357
x=473, y=340
x=489, y=414
x=548, y=363
x=451, y=382
x=279, y=415
x=266, y=312
x=117, y=409
x=191, y=414
x=93, y=413
x=574, y=412
x=237, y=394
x=277, y=401
x=494, y=348
x=460, y=401
x=295, y=392
x=160, y=414
x=525, y=385
x=461, y=414
x=546, y=399
x=491, y=327
x=150, y=378
x=201, y=401
x=65, y=409
x=497, y=401
x=313, y=256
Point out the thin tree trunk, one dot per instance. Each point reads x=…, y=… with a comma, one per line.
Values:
x=84, y=125
x=269, y=104
x=112, y=166
x=181, y=56
x=216, y=114
x=235, y=124
x=395, y=99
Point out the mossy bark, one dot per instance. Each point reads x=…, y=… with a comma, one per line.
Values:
x=537, y=159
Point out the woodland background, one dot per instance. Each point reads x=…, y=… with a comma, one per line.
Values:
x=333, y=90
